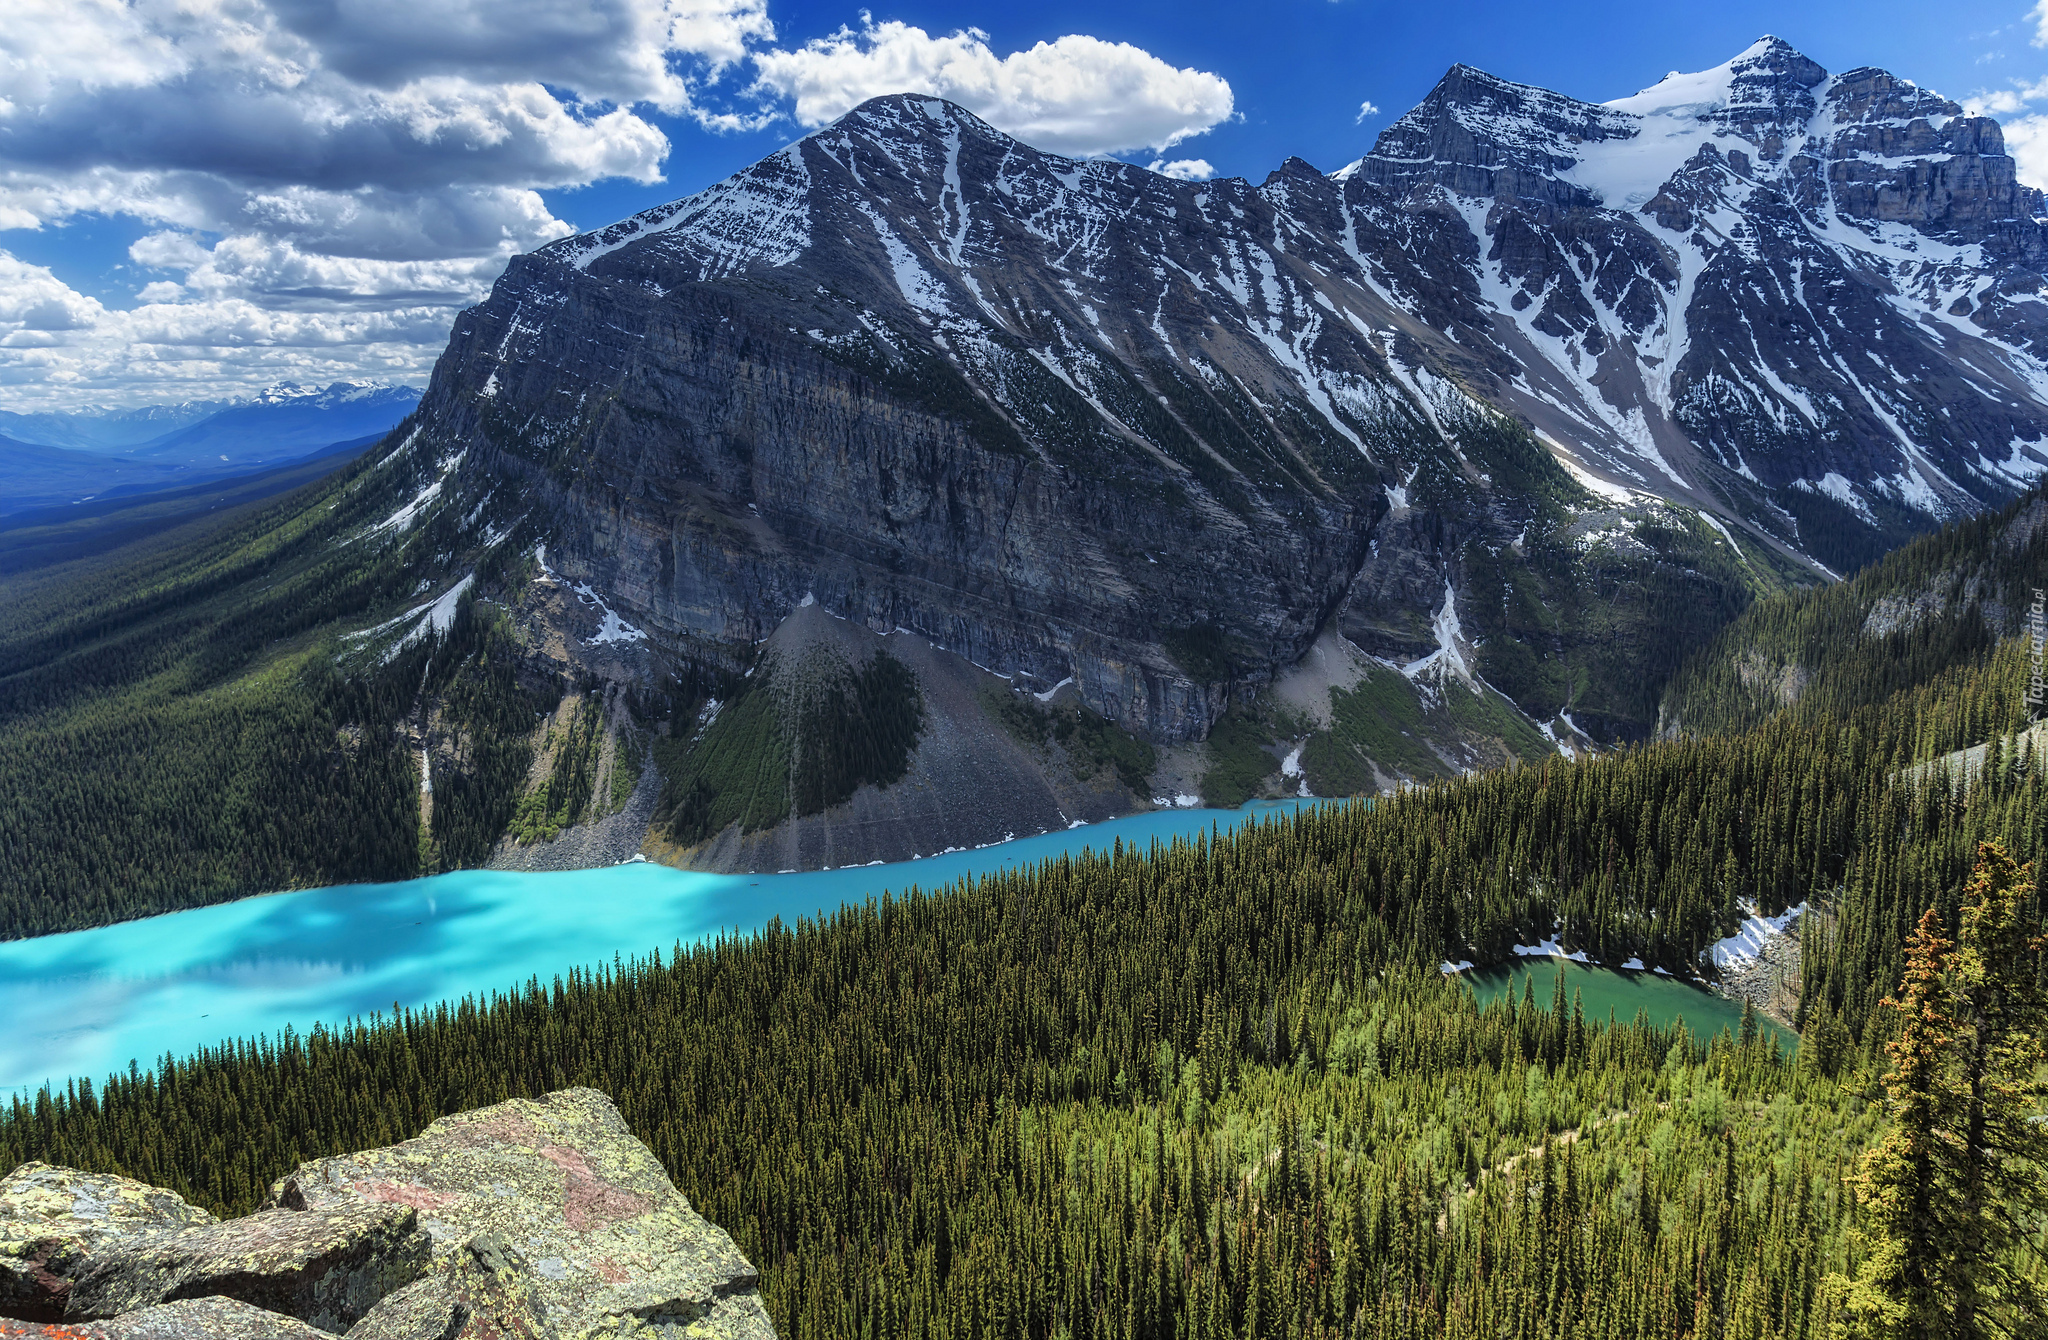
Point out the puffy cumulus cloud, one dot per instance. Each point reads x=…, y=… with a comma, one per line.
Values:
x=325, y=182
x=1184, y=169
x=328, y=179
x=1077, y=95
x=35, y=304
x=2026, y=139
x=60, y=348
x=617, y=51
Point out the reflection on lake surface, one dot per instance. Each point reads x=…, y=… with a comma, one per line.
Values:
x=1605, y=989
x=89, y=1002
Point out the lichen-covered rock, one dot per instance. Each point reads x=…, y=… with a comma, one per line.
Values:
x=581, y=1209
x=51, y=1217
x=481, y=1292
x=189, y=1319
x=326, y=1267
x=204, y=1319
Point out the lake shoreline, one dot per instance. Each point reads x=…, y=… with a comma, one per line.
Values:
x=88, y=1002
x=1705, y=1009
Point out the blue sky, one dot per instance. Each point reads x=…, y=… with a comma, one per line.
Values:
x=1301, y=68
x=200, y=199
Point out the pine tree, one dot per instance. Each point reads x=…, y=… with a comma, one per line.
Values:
x=2001, y=1149
x=1907, y=1205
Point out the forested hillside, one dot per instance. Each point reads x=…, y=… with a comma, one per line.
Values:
x=1222, y=1088
x=1937, y=607
x=179, y=722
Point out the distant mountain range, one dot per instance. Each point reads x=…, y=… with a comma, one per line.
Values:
x=53, y=458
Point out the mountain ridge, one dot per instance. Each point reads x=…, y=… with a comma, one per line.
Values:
x=1188, y=489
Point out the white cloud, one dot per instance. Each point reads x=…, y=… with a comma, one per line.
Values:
x=1184, y=169
x=2026, y=139
x=1367, y=108
x=59, y=348
x=1077, y=95
x=2026, y=133
x=2039, y=14
x=34, y=300
x=327, y=181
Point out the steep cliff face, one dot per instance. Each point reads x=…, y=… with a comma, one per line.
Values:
x=938, y=381
x=1075, y=420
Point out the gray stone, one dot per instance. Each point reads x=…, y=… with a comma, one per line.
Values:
x=326, y=1267
x=51, y=1218
x=558, y=1195
x=204, y=1319
x=482, y=1292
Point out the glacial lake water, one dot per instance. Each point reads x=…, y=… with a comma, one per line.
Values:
x=86, y=1003
x=1603, y=989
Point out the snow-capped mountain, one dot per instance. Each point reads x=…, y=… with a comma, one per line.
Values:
x=287, y=421
x=105, y=428
x=1077, y=420
x=59, y=458
x=1812, y=303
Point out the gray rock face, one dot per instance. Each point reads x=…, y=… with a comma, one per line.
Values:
x=1070, y=419
x=326, y=1268
x=480, y=1290
x=532, y=1220
x=50, y=1218
x=558, y=1194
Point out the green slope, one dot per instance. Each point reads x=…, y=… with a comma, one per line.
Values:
x=179, y=723
x=1934, y=608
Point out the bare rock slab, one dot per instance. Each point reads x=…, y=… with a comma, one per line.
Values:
x=203, y=1319
x=51, y=1218
x=482, y=1292
x=563, y=1199
x=326, y=1267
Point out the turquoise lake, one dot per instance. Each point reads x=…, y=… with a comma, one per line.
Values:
x=1605, y=991
x=89, y=1002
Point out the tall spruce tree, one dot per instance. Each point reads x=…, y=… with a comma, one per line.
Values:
x=1908, y=1205
x=2000, y=1146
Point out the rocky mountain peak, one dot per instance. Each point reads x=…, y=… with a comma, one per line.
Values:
x=1480, y=135
x=1074, y=420
x=1773, y=73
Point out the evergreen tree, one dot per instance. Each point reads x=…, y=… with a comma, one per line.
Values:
x=2001, y=1144
x=1907, y=1201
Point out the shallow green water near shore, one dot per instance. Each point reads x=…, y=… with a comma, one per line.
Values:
x=1605, y=990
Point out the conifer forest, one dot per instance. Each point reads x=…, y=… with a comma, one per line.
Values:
x=1223, y=1088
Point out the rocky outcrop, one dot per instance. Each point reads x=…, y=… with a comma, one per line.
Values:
x=188, y=1319
x=543, y=1219
x=325, y=1268
x=52, y=1218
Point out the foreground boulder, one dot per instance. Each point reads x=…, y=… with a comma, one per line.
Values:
x=50, y=1218
x=567, y=1202
x=531, y=1220
x=202, y=1319
x=482, y=1292
x=326, y=1268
